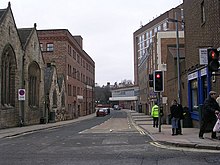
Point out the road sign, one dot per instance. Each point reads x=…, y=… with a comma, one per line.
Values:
x=21, y=94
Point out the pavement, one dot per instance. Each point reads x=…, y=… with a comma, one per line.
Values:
x=143, y=123
x=190, y=137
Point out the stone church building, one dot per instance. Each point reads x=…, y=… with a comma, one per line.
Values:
x=22, y=67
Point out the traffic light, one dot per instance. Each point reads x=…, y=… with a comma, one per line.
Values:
x=151, y=80
x=158, y=81
x=213, y=60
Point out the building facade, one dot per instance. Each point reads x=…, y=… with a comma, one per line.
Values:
x=21, y=75
x=76, y=66
x=151, y=48
x=202, y=31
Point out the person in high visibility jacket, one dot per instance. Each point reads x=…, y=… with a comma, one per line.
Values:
x=155, y=115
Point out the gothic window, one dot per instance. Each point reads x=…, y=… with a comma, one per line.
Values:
x=63, y=100
x=33, y=84
x=54, y=98
x=8, y=68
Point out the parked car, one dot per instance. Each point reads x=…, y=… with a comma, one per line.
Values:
x=116, y=107
x=100, y=112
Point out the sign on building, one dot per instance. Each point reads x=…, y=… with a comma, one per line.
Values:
x=203, y=58
x=21, y=94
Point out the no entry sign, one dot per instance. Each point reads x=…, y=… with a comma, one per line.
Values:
x=21, y=94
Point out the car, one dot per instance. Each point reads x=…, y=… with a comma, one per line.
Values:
x=101, y=112
x=116, y=107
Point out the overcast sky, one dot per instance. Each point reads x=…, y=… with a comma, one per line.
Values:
x=107, y=27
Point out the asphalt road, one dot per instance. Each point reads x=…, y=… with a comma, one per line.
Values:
x=108, y=140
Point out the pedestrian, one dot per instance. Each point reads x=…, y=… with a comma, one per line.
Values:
x=155, y=114
x=180, y=109
x=210, y=109
x=175, y=117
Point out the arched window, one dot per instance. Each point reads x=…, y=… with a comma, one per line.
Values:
x=54, y=98
x=8, y=77
x=63, y=100
x=33, y=84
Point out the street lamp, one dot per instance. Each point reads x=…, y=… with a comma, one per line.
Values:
x=177, y=55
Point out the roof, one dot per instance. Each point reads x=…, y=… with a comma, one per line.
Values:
x=131, y=98
x=24, y=35
x=48, y=78
x=173, y=52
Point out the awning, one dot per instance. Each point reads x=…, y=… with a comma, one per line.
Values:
x=132, y=98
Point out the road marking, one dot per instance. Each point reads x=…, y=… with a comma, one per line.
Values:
x=158, y=145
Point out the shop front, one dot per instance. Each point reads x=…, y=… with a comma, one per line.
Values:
x=199, y=84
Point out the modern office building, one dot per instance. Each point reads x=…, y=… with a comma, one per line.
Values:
x=152, y=45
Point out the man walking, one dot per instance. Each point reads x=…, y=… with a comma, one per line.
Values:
x=210, y=108
x=155, y=114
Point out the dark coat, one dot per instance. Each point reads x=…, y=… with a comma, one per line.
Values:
x=209, y=108
x=176, y=111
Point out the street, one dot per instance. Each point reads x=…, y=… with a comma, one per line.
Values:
x=112, y=139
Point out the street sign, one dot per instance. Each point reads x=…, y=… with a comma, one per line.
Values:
x=21, y=94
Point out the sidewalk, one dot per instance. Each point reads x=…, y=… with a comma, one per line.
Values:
x=190, y=137
x=26, y=129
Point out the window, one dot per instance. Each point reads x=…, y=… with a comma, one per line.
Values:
x=194, y=95
x=78, y=58
x=33, y=84
x=8, y=77
x=74, y=54
x=202, y=13
x=165, y=26
x=63, y=100
x=54, y=98
x=50, y=47
x=41, y=47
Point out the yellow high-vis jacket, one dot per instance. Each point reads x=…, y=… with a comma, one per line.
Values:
x=155, y=111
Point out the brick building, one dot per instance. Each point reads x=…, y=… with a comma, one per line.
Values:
x=22, y=67
x=202, y=31
x=77, y=67
x=152, y=43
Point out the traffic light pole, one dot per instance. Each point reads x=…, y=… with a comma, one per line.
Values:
x=159, y=127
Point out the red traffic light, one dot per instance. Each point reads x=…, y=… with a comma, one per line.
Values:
x=213, y=55
x=213, y=60
x=157, y=75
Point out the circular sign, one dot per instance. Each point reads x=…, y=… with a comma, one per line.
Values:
x=21, y=92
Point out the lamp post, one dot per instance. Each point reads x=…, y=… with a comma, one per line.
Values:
x=177, y=56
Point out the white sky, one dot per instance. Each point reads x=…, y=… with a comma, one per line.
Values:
x=107, y=27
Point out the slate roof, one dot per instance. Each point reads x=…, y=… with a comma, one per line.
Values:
x=2, y=12
x=24, y=35
x=48, y=78
x=173, y=52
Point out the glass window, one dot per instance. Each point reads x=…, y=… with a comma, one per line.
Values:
x=8, y=68
x=194, y=95
x=165, y=26
x=49, y=47
x=41, y=47
x=34, y=84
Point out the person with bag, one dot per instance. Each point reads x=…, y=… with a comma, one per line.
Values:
x=217, y=124
x=155, y=114
x=210, y=108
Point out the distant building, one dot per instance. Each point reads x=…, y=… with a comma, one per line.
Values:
x=66, y=52
x=125, y=97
